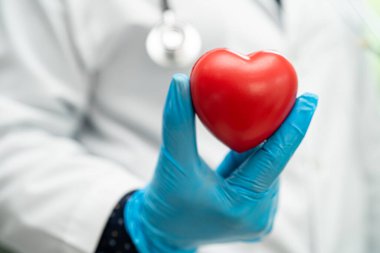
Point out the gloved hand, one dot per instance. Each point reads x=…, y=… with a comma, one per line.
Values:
x=187, y=204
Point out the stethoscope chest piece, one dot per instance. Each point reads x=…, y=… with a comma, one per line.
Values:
x=173, y=44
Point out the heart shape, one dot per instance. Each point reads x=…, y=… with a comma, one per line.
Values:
x=241, y=99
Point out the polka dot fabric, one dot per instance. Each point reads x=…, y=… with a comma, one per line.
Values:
x=115, y=238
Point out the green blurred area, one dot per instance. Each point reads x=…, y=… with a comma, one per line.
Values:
x=375, y=5
x=3, y=250
x=375, y=38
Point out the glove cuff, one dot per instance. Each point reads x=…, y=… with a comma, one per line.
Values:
x=144, y=242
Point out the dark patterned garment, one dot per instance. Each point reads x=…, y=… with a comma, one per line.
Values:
x=115, y=238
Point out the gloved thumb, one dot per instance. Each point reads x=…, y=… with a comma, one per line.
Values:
x=178, y=131
x=264, y=167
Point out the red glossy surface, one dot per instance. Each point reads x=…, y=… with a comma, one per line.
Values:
x=242, y=100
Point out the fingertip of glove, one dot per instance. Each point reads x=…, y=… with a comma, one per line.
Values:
x=303, y=112
x=180, y=79
x=179, y=85
x=310, y=100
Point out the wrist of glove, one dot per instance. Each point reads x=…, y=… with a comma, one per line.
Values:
x=146, y=238
x=187, y=204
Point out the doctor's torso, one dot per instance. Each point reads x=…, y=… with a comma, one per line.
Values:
x=128, y=90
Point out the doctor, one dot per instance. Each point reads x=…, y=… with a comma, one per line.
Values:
x=81, y=104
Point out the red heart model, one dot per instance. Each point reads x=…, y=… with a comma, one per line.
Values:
x=241, y=99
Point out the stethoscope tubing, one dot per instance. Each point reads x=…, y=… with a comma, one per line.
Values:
x=165, y=6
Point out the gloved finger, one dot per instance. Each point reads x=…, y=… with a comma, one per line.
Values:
x=232, y=161
x=271, y=213
x=178, y=131
x=263, y=168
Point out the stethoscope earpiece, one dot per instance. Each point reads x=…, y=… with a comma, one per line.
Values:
x=172, y=43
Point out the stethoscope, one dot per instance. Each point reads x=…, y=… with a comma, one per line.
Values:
x=172, y=43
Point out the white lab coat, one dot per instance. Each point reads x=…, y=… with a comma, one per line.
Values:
x=80, y=120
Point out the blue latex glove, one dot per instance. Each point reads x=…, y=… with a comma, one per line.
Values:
x=187, y=204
